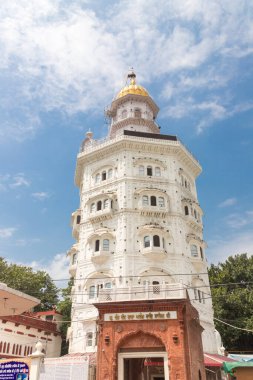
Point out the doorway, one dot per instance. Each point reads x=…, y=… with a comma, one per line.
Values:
x=143, y=366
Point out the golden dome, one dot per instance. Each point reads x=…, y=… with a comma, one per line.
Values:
x=132, y=88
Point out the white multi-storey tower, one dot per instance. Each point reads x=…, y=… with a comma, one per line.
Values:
x=138, y=229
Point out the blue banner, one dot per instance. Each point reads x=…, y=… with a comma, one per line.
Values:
x=14, y=370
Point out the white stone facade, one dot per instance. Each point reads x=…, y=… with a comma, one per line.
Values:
x=19, y=335
x=139, y=226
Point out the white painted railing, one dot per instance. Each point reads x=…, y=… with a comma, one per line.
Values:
x=141, y=292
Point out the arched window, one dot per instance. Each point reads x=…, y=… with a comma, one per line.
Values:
x=92, y=291
x=137, y=113
x=194, y=250
x=201, y=253
x=106, y=245
x=161, y=202
x=186, y=210
x=195, y=214
x=157, y=172
x=97, y=178
x=92, y=207
x=97, y=243
x=104, y=175
x=74, y=259
x=145, y=200
x=124, y=114
x=110, y=173
x=106, y=203
x=141, y=170
x=153, y=200
x=99, y=206
x=89, y=339
x=149, y=171
x=156, y=241
x=78, y=219
x=146, y=241
x=185, y=184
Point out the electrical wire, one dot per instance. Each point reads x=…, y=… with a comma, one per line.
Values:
x=238, y=284
x=234, y=327
x=133, y=276
x=241, y=284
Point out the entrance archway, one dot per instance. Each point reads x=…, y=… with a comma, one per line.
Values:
x=143, y=366
x=142, y=356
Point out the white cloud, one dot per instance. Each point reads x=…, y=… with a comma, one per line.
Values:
x=22, y=126
x=57, y=268
x=19, y=180
x=220, y=249
x=70, y=55
x=238, y=221
x=13, y=181
x=228, y=202
x=7, y=232
x=41, y=196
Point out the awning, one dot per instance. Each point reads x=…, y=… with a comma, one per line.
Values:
x=215, y=360
x=241, y=358
x=230, y=367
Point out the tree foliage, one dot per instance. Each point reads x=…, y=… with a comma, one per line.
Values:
x=35, y=283
x=232, y=284
x=64, y=307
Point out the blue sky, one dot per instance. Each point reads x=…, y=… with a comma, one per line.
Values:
x=61, y=64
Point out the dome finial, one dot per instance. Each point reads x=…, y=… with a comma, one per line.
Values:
x=132, y=76
x=132, y=87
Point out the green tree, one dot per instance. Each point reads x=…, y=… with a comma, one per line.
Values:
x=35, y=283
x=64, y=307
x=232, y=283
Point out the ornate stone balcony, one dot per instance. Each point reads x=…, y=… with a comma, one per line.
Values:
x=154, y=252
x=72, y=269
x=100, y=257
x=141, y=292
x=101, y=215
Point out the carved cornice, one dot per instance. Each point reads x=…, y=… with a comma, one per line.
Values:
x=123, y=124
x=101, y=232
x=190, y=237
x=145, y=160
x=132, y=143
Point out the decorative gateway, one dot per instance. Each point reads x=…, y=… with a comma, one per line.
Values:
x=156, y=340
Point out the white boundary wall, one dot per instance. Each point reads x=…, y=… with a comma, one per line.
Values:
x=65, y=368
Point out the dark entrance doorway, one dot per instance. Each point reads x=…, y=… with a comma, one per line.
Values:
x=149, y=368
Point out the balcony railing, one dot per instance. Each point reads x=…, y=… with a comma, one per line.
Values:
x=141, y=292
x=100, y=257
